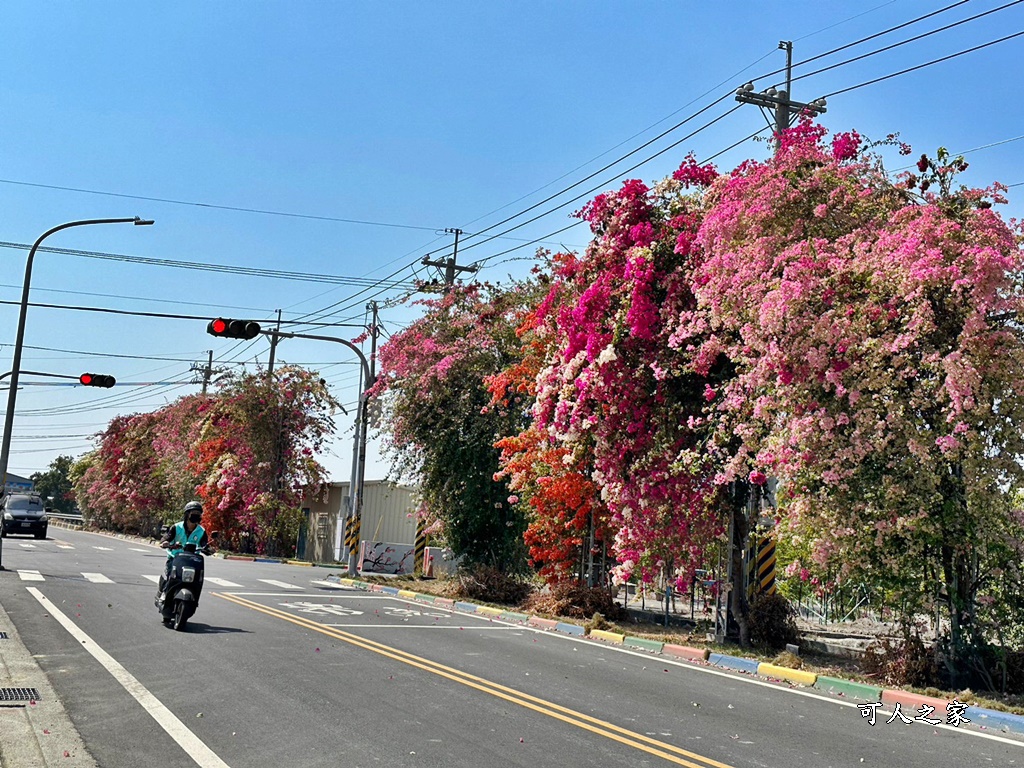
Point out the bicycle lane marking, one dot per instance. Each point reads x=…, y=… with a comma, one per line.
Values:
x=195, y=748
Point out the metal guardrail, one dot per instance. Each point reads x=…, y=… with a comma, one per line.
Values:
x=70, y=519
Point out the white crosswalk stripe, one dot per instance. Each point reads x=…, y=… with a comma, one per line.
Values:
x=221, y=582
x=136, y=549
x=105, y=549
x=26, y=546
x=281, y=584
x=154, y=579
x=330, y=584
x=31, y=576
x=65, y=546
x=97, y=578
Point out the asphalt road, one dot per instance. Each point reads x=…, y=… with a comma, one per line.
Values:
x=279, y=669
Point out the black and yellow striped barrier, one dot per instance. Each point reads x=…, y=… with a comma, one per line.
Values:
x=420, y=547
x=761, y=569
x=352, y=533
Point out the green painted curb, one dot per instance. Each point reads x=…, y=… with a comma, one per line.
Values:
x=849, y=688
x=640, y=642
x=425, y=598
x=513, y=616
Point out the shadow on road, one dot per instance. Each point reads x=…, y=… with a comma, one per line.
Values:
x=195, y=628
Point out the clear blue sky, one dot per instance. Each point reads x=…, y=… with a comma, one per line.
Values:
x=418, y=116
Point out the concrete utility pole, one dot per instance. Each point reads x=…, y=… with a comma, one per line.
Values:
x=355, y=505
x=207, y=370
x=273, y=345
x=779, y=102
x=746, y=500
x=449, y=265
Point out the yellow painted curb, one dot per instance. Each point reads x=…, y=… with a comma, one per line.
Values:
x=486, y=610
x=407, y=593
x=603, y=634
x=299, y=562
x=785, y=673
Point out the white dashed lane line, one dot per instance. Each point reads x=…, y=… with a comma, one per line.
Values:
x=220, y=582
x=97, y=578
x=281, y=584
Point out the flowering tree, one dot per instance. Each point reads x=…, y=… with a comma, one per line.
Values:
x=551, y=482
x=872, y=328
x=440, y=427
x=247, y=451
x=620, y=403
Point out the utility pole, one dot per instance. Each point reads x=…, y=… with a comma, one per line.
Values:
x=355, y=506
x=779, y=102
x=745, y=499
x=450, y=266
x=273, y=345
x=208, y=370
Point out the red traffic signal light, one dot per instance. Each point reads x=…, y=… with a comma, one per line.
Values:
x=233, y=329
x=96, y=380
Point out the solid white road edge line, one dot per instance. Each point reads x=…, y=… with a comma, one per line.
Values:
x=177, y=730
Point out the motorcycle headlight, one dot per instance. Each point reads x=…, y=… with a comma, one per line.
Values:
x=188, y=574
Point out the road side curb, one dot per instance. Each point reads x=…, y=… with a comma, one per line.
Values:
x=848, y=688
x=986, y=718
x=40, y=733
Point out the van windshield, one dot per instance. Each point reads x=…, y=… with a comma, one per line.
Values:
x=24, y=502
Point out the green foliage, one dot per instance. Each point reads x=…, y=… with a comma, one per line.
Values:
x=433, y=412
x=55, y=484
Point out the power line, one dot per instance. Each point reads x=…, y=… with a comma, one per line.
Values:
x=139, y=313
x=908, y=40
x=203, y=266
x=621, y=173
x=213, y=206
x=321, y=312
x=926, y=64
x=702, y=162
x=148, y=299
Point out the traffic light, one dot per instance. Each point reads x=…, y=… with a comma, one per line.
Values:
x=96, y=380
x=233, y=329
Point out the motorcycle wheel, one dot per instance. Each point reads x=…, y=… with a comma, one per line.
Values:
x=179, y=616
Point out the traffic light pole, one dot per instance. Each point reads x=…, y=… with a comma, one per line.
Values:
x=359, y=448
x=12, y=395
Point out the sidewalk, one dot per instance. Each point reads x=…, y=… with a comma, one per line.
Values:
x=34, y=732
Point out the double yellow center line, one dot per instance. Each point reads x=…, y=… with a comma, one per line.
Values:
x=669, y=752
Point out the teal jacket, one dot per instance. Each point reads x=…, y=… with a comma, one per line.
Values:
x=177, y=534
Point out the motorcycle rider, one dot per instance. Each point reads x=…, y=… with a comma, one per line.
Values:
x=188, y=531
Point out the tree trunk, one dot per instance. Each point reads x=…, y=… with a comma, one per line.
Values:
x=960, y=584
x=739, y=609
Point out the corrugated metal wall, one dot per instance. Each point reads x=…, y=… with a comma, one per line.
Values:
x=388, y=515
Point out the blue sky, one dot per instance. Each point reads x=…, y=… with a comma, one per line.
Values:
x=408, y=117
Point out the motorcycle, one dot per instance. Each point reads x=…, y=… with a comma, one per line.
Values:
x=179, y=596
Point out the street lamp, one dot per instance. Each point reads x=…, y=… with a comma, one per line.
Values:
x=12, y=394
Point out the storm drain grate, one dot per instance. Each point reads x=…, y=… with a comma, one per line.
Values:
x=19, y=694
